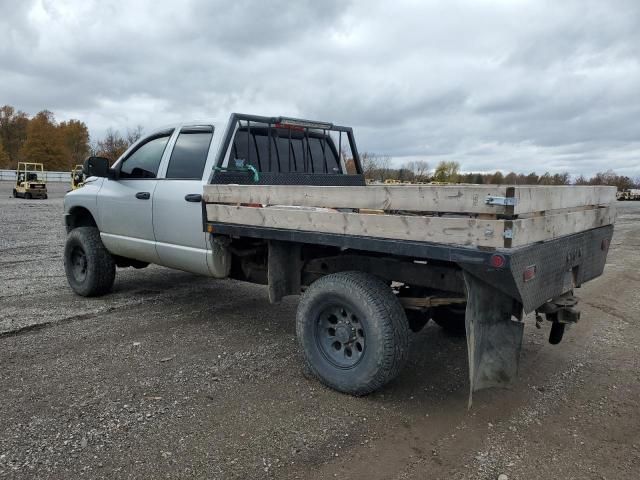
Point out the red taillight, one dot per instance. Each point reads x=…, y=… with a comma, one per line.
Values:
x=529, y=273
x=604, y=246
x=290, y=127
x=497, y=261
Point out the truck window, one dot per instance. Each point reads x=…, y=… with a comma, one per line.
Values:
x=291, y=151
x=190, y=153
x=145, y=160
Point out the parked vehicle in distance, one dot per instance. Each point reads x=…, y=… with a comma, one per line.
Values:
x=628, y=194
x=77, y=177
x=270, y=200
x=30, y=181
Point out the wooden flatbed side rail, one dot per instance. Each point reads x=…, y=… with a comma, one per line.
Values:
x=539, y=198
x=450, y=230
x=458, y=231
x=469, y=199
x=546, y=227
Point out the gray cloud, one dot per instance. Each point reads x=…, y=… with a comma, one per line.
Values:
x=494, y=84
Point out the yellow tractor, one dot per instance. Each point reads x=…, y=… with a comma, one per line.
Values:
x=77, y=177
x=30, y=181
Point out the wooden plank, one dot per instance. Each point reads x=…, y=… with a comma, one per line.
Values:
x=538, y=198
x=451, y=230
x=547, y=227
x=422, y=198
x=426, y=302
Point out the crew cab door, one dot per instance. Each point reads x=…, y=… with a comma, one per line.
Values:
x=125, y=203
x=177, y=209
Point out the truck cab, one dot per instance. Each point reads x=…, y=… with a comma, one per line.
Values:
x=147, y=207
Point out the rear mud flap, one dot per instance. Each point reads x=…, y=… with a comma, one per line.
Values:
x=284, y=265
x=494, y=340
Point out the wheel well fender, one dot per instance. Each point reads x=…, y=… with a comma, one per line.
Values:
x=79, y=217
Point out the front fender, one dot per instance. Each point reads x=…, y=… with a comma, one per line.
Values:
x=85, y=197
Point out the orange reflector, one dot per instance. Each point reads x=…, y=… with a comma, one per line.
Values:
x=210, y=228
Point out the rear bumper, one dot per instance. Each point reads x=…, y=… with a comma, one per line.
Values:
x=37, y=193
x=559, y=265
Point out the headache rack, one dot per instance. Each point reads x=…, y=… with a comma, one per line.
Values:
x=286, y=151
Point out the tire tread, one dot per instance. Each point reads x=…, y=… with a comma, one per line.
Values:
x=101, y=279
x=395, y=331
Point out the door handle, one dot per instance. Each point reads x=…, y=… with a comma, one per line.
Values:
x=143, y=195
x=193, y=197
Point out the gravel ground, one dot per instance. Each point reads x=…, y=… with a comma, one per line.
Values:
x=178, y=376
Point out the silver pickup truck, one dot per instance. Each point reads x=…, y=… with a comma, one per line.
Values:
x=284, y=202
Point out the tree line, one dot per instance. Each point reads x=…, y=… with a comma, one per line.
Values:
x=57, y=145
x=62, y=145
x=379, y=168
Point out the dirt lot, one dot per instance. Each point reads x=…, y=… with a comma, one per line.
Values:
x=177, y=376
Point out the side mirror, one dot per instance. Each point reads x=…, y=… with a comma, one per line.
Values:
x=96, y=167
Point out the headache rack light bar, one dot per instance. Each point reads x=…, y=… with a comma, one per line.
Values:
x=296, y=122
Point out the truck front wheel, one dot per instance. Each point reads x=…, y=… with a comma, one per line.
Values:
x=89, y=267
x=353, y=332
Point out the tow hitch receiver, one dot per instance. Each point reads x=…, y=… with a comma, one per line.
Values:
x=560, y=311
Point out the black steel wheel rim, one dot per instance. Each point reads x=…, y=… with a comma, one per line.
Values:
x=340, y=336
x=78, y=264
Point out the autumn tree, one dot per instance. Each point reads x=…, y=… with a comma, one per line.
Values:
x=13, y=132
x=447, y=172
x=75, y=135
x=420, y=169
x=44, y=143
x=4, y=157
x=497, y=178
x=112, y=145
x=581, y=180
x=610, y=178
x=375, y=167
x=511, y=178
x=134, y=134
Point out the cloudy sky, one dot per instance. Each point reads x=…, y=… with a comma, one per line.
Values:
x=494, y=84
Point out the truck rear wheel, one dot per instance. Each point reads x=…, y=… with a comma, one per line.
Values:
x=353, y=332
x=451, y=318
x=89, y=267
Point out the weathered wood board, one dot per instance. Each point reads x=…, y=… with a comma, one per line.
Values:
x=547, y=227
x=541, y=198
x=438, y=229
x=459, y=231
x=421, y=198
x=436, y=198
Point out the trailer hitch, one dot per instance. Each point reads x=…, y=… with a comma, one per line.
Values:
x=560, y=311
